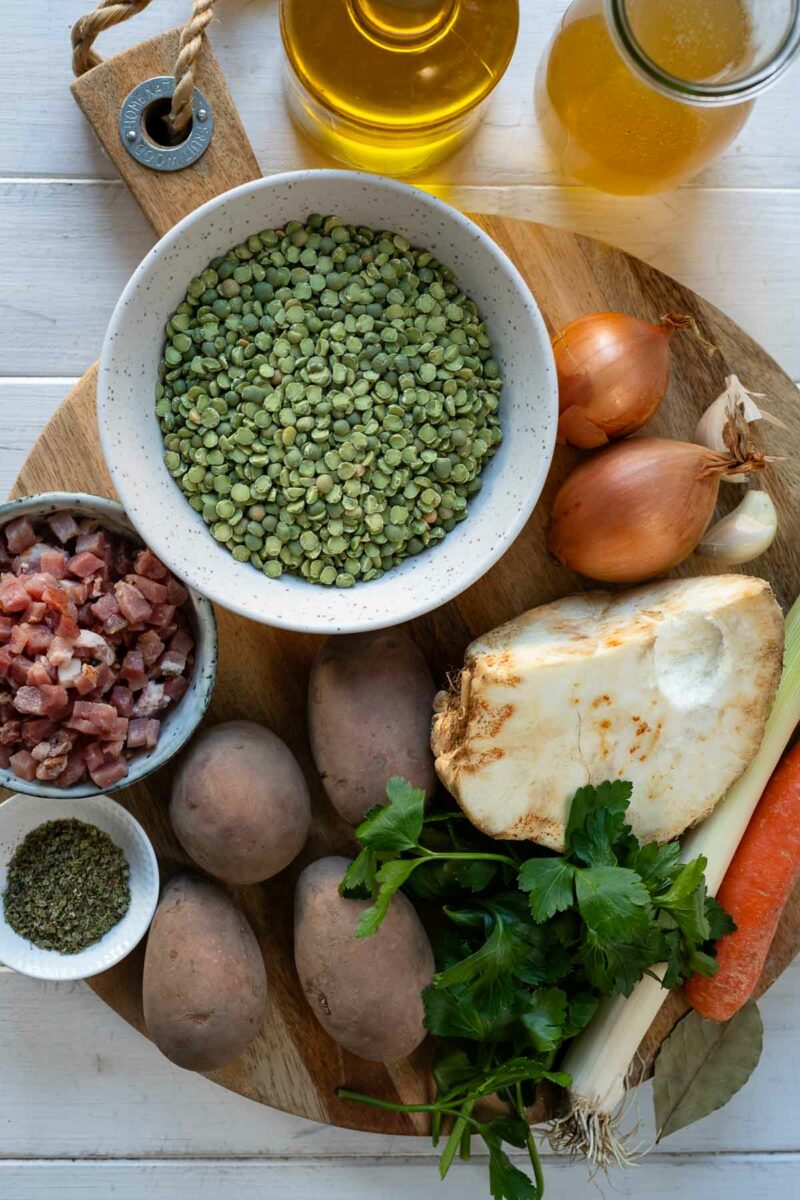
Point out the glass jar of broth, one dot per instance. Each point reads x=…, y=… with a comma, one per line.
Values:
x=636, y=96
x=394, y=85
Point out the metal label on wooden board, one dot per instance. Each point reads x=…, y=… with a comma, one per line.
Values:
x=139, y=143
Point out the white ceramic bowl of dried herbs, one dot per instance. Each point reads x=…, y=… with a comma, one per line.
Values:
x=69, y=870
x=300, y=411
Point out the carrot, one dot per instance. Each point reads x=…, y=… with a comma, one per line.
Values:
x=755, y=890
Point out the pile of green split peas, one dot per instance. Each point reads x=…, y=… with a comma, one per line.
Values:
x=328, y=399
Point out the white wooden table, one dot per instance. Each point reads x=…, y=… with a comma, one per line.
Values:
x=88, y=1109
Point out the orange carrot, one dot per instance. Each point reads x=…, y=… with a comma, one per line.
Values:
x=755, y=890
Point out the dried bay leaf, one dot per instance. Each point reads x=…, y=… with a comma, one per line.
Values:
x=702, y=1064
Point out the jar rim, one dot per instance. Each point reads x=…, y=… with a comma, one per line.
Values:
x=734, y=91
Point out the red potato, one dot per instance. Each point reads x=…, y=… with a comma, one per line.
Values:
x=240, y=805
x=366, y=993
x=205, y=985
x=370, y=703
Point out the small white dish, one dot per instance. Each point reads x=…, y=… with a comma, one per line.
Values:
x=132, y=441
x=19, y=816
x=179, y=722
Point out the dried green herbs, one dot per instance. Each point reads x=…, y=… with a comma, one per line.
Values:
x=67, y=886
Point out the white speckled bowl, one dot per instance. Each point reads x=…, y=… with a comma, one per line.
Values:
x=19, y=815
x=512, y=481
x=178, y=723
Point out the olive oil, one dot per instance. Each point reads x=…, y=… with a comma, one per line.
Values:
x=394, y=85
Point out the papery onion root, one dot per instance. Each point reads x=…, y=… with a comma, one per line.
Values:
x=584, y=1133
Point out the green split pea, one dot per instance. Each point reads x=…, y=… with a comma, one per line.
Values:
x=328, y=399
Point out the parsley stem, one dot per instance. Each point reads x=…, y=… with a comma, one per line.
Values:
x=533, y=1152
x=359, y=1098
x=501, y=858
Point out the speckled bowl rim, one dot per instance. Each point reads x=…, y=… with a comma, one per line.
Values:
x=45, y=503
x=473, y=568
x=145, y=887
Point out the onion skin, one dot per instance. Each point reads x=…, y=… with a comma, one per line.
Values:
x=614, y=369
x=635, y=510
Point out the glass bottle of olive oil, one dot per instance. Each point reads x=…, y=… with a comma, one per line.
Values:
x=394, y=85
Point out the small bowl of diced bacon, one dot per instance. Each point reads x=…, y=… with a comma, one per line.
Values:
x=107, y=661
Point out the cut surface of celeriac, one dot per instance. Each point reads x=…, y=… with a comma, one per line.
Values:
x=668, y=686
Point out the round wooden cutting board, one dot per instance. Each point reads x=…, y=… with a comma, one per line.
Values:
x=263, y=672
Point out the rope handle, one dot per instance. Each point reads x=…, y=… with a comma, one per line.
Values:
x=112, y=12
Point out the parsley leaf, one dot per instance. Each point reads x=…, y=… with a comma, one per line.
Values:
x=655, y=864
x=545, y=1018
x=506, y=1182
x=550, y=882
x=597, y=820
x=685, y=901
x=720, y=923
x=390, y=877
x=398, y=824
x=613, y=901
x=359, y=881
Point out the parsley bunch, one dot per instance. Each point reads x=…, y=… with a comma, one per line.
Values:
x=528, y=943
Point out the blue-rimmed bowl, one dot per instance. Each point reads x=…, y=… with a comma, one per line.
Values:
x=179, y=722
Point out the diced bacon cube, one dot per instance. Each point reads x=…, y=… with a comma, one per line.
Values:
x=19, y=638
x=13, y=596
x=53, y=562
x=10, y=732
x=151, y=701
x=87, y=680
x=91, y=543
x=20, y=534
x=114, y=625
x=182, y=642
x=39, y=639
x=172, y=663
x=5, y=757
x=106, y=606
x=93, y=754
x=162, y=616
x=55, y=698
x=133, y=671
x=60, y=651
x=51, y=768
x=95, y=646
x=23, y=764
x=110, y=772
x=69, y=672
x=151, y=647
x=118, y=731
x=29, y=699
x=92, y=718
x=37, y=584
x=6, y=661
x=132, y=603
x=40, y=673
x=63, y=525
x=147, y=564
x=36, y=730
x=122, y=699
x=68, y=628
x=176, y=593
x=18, y=672
x=74, y=770
x=156, y=593
x=37, y=611
x=6, y=626
x=78, y=593
x=105, y=680
x=59, y=599
x=175, y=689
x=84, y=565
x=143, y=733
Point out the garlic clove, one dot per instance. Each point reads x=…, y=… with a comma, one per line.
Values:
x=743, y=534
x=709, y=430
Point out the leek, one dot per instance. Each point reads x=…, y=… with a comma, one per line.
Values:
x=599, y=1061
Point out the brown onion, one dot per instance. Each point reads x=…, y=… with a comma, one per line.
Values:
x=639, y=508
x=613, y=372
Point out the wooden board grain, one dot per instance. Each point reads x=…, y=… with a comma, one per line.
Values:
x=263, y=672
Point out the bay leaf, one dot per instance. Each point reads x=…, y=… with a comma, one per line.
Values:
x=702, y=1064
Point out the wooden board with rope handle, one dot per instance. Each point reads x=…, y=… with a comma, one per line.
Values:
x=292, y=1064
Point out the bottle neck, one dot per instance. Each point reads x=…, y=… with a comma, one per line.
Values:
x=404, y=24
x=775, y=49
